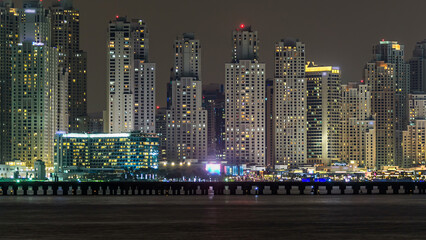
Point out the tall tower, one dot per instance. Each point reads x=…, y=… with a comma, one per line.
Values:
x=214, y=104
x=358, y=125
x=269, y=124
x=393, y=52
x=9, y=34
x=381, y=80
x=36, y=80
x=418, y=68
x=65, y=36
x=161, y=130
x=324, y=114
x=290, y=103
x=245, y=101
x=186, y=118
x=131, y=85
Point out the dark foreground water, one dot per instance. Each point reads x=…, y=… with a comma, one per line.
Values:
x=218, y=217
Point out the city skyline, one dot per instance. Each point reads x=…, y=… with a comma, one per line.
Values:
x=204, y=119
x=343, y=40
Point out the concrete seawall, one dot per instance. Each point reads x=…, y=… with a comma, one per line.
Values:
x=205, y=188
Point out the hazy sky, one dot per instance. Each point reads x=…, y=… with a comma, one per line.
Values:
x=336, y=32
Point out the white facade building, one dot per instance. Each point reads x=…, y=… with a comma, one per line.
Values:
x=358, y=126
x=245, y=101
x=379, y=76
x=290, y=103
x=131, y=78
x=186, y=119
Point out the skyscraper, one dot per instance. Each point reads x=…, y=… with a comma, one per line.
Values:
x=418, y=68
x=131, y=85
x=186, y=119
x=417, y=106
x=290, y=103
x=9, y=33
x=36, y=85
x=161, y=130
x=414, y=138
x=269, y=124
x=65, y=36
x=393, y=52
x=245, y=101
x=324, y=114
x=381, y=80
x=358, y=126
x=214, y=104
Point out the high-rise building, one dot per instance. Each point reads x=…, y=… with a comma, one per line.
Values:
x=417, y=106
x=269, y=124
x=324, y=114
x=186, y=118
x=414, y=138
x=245, y=101
x=381, y=81
x=65, y=36
x=34, y=23
x=131, y=85
x=38, y=84
x=214, y=104
x=9, y=34
x=290, y=103
x=393, y=52
x=161, y=130
x=414, y=144
x=418, y=68
x=358, y=126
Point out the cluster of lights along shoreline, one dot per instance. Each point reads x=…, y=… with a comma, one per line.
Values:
x=302, y=116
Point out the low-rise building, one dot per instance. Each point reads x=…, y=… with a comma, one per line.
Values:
x=115, y=151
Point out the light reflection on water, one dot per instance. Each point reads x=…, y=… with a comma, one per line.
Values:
x=213, y=217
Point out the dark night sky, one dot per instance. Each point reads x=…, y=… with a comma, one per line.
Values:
x=335, y=32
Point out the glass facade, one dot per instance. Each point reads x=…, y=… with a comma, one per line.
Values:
x=106, y=151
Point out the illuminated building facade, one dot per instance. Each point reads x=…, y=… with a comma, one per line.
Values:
x=269, y=124
x=414, y=138
x=65, y=36
x=357, y=126
x=290, y=103
x=131, y=78
x=131, y=151
x=417, y=106
x=186, y=118
x=245, y=101
x=414, y=144
x=392, y=52
x=161, y=130
x=9, y=33
x=38, y=84
x=324, y=114
x=379, y=76
x=34, y=100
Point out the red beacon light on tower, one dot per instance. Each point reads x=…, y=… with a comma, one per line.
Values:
x=242, y=26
